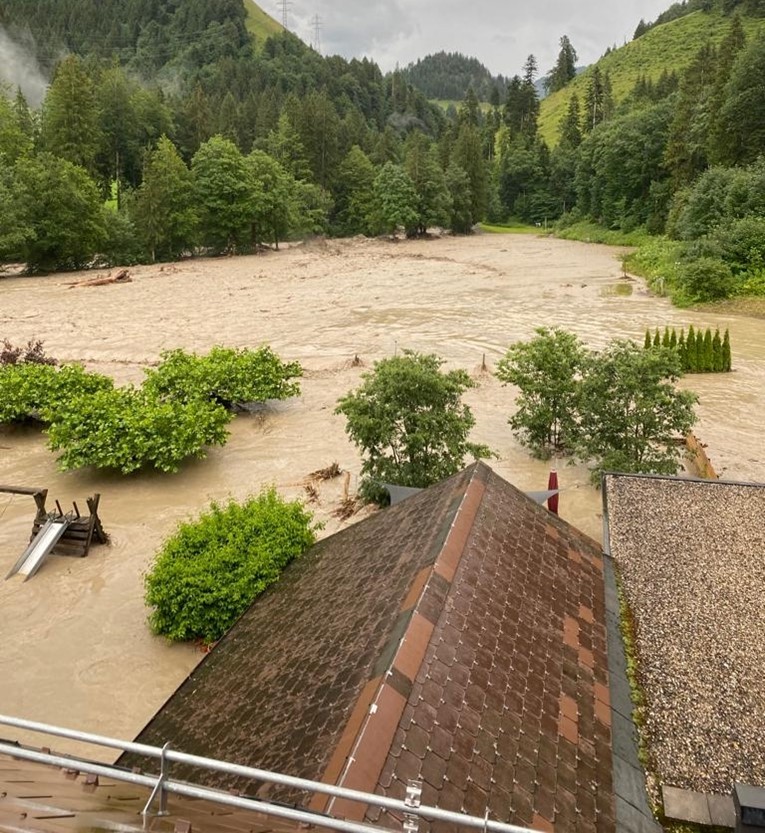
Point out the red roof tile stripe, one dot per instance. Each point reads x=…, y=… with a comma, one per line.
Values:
x=510, y=709
x=377, y=734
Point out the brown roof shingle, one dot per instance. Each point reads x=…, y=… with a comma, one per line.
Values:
x=458, y=638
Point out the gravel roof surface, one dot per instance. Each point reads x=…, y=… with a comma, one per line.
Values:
x=692, y=560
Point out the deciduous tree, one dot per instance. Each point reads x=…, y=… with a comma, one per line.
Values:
x=547, y=371
x=410, y=423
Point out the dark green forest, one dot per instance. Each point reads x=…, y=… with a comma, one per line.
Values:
x=447, y=76
x=167, y=130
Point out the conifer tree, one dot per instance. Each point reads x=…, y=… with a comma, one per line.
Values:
x=665, y=338
x=726, y=352
x=699, y=352
x=564, y=69
x=717, y=352
x=657, y=339
x=647, y=343
x=690, y=349
x=681, y=348
x=709, y=362
x=70, y=128
x=673, y=339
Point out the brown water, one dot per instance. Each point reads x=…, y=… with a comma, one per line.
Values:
x=74, y=646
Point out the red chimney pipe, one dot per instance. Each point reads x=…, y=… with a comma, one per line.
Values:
x=552, y=485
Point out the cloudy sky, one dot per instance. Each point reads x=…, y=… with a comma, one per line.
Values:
x=500, y=33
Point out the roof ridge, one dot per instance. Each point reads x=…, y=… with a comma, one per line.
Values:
x=366, y=746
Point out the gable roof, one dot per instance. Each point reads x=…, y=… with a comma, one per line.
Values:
x=458, y=637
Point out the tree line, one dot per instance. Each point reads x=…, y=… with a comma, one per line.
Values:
x=249, y=148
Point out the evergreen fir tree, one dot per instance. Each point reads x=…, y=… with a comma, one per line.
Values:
x=717, y=352
x=726, y=352
x=681, y=348
x=709, y=361
x=665, y=338
x=690, y=350
x=647, y=343
x=657, y=339
x=673, y=339
x=700, y=364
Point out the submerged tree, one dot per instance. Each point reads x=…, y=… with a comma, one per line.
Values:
x=547, y=371
x=631, y=412
x=410, y=423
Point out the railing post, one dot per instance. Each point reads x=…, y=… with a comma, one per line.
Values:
x=159, y=788
x=413, y=799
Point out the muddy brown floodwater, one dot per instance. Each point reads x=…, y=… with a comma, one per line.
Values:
x=74, y=646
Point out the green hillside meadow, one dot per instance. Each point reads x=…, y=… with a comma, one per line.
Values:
x=669, y=46
x=260, y=24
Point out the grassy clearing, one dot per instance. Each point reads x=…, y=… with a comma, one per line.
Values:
x=588, y=232
x=510, y=228
x=670, y=46
x=753, y=306
x=259, y=23
x=445, y=103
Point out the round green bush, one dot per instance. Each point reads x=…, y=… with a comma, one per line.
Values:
x=706, y=279
x=209, y=572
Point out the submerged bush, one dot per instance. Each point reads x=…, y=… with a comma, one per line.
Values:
x=209, y=572
x=225, y=375
x=125, y=430
x=42, y=392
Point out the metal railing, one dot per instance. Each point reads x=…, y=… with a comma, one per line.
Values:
x=161, y=784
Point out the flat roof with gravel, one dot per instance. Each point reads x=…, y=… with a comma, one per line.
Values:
x=691, y=555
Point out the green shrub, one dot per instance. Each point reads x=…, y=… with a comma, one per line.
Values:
x=225, y=375
x=706, y=279
x=208, y=573
x=743, y=244
x=42, y=392
x=126, y=430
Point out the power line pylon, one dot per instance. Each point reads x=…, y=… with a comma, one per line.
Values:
x=284, y=7
x=317, y=25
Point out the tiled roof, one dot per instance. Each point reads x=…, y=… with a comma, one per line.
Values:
x=458, y=638
x=44, y=799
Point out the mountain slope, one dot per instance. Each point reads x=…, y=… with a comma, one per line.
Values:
x=260, y=23
x=668, y=46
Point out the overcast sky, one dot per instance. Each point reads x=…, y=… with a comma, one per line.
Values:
x=500, y=33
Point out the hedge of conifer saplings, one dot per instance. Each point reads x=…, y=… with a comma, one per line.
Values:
x=699, y=352
x=182, y=408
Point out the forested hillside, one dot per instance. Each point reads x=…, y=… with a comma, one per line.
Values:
x=213, y=143
x=657, y=57
x=449, y=75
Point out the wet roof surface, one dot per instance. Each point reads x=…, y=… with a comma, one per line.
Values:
x=458, y=637
x=34, y=797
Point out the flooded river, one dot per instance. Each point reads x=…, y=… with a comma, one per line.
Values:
x=74, y=645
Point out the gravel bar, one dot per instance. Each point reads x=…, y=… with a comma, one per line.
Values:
x=692, y=561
